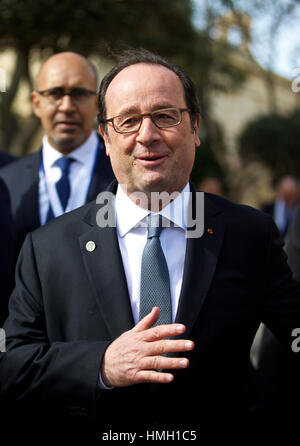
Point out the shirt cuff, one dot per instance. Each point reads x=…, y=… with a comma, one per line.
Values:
x=101, y=384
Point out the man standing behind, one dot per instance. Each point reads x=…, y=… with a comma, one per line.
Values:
x=66, y=103
x=72, y=167
x=283, y=207
x=6, y=240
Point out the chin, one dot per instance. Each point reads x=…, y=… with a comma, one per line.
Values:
x=155, y=185
x=67, y=144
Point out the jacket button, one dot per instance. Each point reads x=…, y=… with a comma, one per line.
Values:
x=90, y=246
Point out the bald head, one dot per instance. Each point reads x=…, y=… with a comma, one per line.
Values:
x=68, y=121
x=62, y=59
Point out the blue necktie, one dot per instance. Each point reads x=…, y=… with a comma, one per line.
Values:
x=155, y=281
x=63, y=186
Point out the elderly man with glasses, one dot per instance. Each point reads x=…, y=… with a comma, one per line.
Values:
x=128, y=319
x=71, y=168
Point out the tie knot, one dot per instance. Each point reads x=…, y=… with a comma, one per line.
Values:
x=154, y=225
x=64, y=164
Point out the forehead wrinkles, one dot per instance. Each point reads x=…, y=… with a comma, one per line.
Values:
x=143, y=87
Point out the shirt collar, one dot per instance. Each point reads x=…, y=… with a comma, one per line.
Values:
x=129, y=215
x=83, y=154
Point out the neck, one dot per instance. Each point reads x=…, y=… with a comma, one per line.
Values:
x=153, y=201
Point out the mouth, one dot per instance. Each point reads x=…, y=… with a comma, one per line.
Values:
x=67, y=124
x=151, y=159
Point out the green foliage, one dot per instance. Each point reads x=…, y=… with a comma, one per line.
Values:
x=274, y=140
x=101, y=27
x=91, y=27
x=93, y=24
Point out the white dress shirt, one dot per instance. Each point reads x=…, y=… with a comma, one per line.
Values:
x=80, y=175
x=132, y=237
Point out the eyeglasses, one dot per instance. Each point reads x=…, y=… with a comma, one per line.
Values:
x=163, y=118
x=77, y=95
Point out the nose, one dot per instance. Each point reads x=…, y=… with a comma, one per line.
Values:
x=66, y=104
x=148, y=132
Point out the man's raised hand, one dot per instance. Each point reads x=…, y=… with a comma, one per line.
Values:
x=136, y=356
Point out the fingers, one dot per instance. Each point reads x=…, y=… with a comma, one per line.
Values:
x=169, y=346
x=148, y=321
x=152, y=376
x=140, y=354
x=155, y=337
x=152, y=369
x=164, y=363
x=163, y=331
x=159, y=332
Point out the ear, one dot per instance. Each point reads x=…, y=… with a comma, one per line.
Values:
x=196, y=130
x=36, y=103
x=106, y=139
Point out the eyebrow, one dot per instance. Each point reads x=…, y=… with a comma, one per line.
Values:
x=133, y=110
x=60, y=87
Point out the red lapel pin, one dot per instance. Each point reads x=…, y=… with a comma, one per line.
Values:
x=210, y=231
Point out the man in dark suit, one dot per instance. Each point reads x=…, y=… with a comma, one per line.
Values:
x=272, y=364
x=6, y=258
x=78, y=343
x=274, y=368
x=66, y=103
x=283, y=207
x=6, y=243
x=293, y=245
x=6, y=158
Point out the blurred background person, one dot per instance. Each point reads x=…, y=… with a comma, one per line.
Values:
x=66, y=103
x=283, y=207
x=212, y=185
x=71, y=168
x=6, y=241
x=6, y=256
x=293, y=245
x=274, y=380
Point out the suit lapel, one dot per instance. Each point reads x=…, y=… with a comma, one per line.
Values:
x=106, y=273
x=200, y=264
x=27, y=216
x=102, y=175
x=32, y=196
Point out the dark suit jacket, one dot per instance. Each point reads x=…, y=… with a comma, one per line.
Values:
x=6, y=158
x=69, y=304
x=276, y=381
x=6, y=258
x=293, y=245
x=22, y=181
x=268, y=208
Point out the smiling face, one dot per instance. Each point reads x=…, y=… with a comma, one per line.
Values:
x=151, y=159
x=67, y=125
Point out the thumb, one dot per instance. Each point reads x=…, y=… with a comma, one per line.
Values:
x=148, y=320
